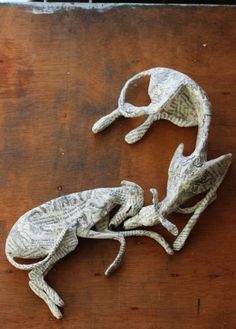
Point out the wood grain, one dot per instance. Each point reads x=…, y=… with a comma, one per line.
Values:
x=59, y=73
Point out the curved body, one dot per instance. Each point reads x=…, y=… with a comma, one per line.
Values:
x=173, y=96
x=36, y=232
x=177, y=98
x=51, y=230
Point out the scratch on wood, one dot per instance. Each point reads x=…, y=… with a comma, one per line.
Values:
x=134, y=308
x=213, y=276
x=198, y=306
x=175, y=275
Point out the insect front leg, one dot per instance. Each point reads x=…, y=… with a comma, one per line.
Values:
x=202, y=205
x=136, y=134
x=108, y=235
x=219, y=167
x=190, y=210
x=37, y=282
x=105, y=121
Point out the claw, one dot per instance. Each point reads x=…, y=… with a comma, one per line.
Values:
x=52, y=306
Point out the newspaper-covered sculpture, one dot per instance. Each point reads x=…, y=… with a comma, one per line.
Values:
x=169, y=99
x=188, y=176
x=177, y=98
x=52, y=230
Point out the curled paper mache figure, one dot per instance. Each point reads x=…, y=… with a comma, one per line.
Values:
x=177, y=98
x=52, y=230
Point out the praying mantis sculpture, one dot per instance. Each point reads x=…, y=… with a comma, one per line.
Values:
x=177, y=98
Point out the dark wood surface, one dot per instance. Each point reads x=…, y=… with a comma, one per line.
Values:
x=59, y=73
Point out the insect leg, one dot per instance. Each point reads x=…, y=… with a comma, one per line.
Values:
x=136, y=134
x=37, y=282
x=113, y=236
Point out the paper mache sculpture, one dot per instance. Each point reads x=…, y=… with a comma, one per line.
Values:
x=51, y=230
x=177, y=98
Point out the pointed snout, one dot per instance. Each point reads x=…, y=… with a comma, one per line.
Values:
x=132, y=223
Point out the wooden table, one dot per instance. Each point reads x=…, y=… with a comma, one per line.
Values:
x=59, y=73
